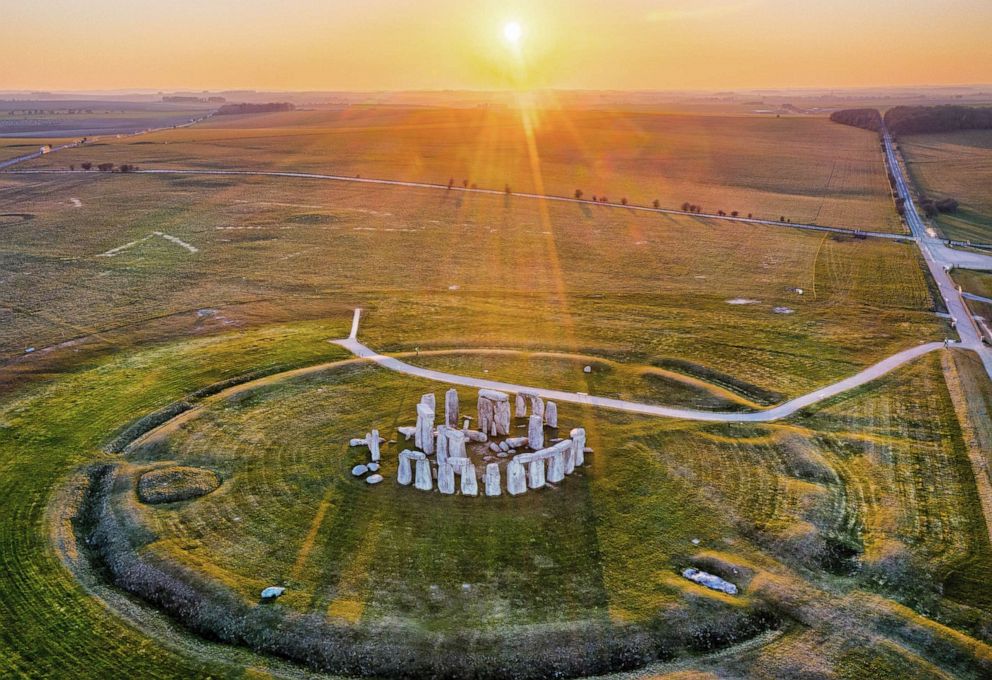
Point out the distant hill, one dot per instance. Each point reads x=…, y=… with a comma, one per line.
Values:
x=272, y=107
x=868, y=119
x=908, y=120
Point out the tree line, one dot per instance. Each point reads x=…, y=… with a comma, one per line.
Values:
x=271, y=107
x=909, y=120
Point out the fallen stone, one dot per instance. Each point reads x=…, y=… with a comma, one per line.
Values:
x=476, y=436
x=494, y=447
x=503, y=454
x=710, y=581
x=359, y=470
x=272, y=592
x=407, y=432
x=373, y=479
x=373, y=467
x=357, y=442
x=587, y=369
x=516, y=442
x=503, y=446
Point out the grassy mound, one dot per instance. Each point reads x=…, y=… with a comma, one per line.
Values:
x=176, y=483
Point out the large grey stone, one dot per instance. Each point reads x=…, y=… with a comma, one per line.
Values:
x=535, y=432
x=373, y=479
x=359, y=470
x=501, y=417
x=492, y=478
x=374, y=441
x=487, y=411
x=451, y=408
x=516, y=442
x=425, y=428
x=456, y=443
x=556, y=466
x=470, y=481
x=710, y=581
x=446, y=478
x=272, y=592
x=407, y=431
x=516, y=478
x=429, y=400
x=521, y=406
x=424, y=480
x=404, y=473
x=578, y=436
x=535, y=476
x=476, y=436
x=441, y=444
x=551, y=414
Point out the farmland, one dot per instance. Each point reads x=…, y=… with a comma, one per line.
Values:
x=205, y=305
x=804, y=169
x=955, y=165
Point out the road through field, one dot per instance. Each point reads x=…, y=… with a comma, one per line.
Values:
x=940, y=259
x=494, y=192
x=352, y=344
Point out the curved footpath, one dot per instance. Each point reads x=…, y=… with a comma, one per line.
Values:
x=352, y=344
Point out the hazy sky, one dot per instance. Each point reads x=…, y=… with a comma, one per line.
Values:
x=433, y=44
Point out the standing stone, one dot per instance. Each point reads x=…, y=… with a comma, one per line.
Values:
x=535, y=432
x=493, y=480
x=470, y=482
x=551, y=414
x=374, y=453
x=578, y=446
x=521, y=406
x=556, y=466
x=456, y=443
x=536, y=406
x=441, y=448
x=451, y=408
x=445, y=479
x=429, y=400
x=425, y=481
x=536, y=480
x=486, y=414
x=404, y=474
x=516, y=478
x=502, y=417
x=425, y=428
x=569, y=458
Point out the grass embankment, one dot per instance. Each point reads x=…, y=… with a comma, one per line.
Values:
x=50, y=626
x=955, y=165
x=804, y=169
x=435, y=269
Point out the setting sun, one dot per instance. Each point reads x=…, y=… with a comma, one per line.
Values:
x=513, y=32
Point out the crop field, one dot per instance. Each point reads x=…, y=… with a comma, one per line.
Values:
x=804, y=169
x=955, y=165
x=438, y=270
x=181, y=325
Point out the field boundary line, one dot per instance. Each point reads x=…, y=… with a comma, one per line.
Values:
x=493, y=192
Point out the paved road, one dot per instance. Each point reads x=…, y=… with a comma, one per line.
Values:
x=493, y=192
x=939, y=258
x=352, y=344
x=37, y=154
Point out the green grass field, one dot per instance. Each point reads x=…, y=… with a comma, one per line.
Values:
x=955, y=165
x=804, y=169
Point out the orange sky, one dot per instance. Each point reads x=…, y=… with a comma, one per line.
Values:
x=437, y=44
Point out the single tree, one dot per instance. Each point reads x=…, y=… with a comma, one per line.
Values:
x=507, y=190
x=578, y=194
x=686, y=207
x=465, y=184
x=86, y=166
x=734, y=213
x=623, y=201
x=656, y=203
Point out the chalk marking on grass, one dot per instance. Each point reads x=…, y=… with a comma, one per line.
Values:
x=178, y=241
x=113, y=252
